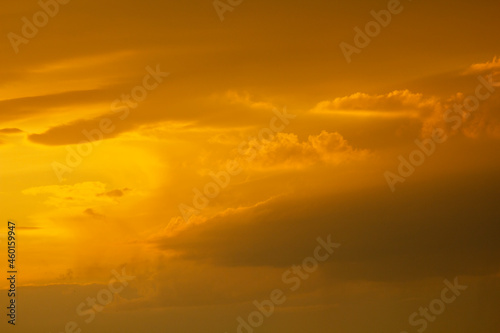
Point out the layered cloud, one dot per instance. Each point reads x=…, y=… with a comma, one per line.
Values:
x=321, y=175
x=426, y=225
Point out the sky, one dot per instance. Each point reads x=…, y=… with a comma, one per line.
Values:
x=251, y=166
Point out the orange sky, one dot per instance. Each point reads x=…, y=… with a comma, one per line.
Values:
x=223, y=150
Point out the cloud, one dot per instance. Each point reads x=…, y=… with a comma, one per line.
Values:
x=244, y=98
x=77, y=195
x=489, y=66
x=26, y=107
x=420, y=233
x=453, y=117
x=10, y=131
x=287, y=151
x=215, y=113
x=398, y=103
x=92, y=213
x=74, y=132
x=115, y=193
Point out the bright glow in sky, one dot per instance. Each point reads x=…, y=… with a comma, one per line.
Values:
x=226, y=148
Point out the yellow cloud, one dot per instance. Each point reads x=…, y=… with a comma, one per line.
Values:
x=287, y=151
x=245, y=99
x=483, y=67
x=398, y=103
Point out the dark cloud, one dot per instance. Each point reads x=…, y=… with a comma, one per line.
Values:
x=114, y=193
x=449, y=227
x=93, y=213
x=10, y=130
x=78, y=131
x=21, y=108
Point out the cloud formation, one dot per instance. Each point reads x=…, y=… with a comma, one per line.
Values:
x=287, y=151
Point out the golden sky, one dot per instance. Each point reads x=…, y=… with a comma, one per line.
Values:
x=205, y=146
